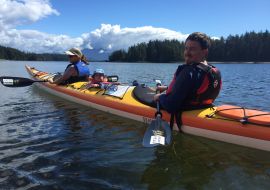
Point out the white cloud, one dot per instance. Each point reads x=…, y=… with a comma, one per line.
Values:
x=106, y=38
x=215, y=38
x=35, y=41
x=114, y=37
x=14, y=13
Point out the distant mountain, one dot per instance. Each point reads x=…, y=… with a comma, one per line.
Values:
x=96, y=55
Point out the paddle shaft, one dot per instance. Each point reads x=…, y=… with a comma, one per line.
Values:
x=158, y=132
x=9, y=81
x=158, y=113
x=17, y=81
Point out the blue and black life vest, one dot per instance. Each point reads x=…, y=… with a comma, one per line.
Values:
x=82, y=70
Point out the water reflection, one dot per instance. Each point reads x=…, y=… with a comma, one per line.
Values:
x=62, y=144
x=198, y=163
x=50, y=143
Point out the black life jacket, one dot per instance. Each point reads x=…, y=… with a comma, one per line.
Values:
x=210, y=87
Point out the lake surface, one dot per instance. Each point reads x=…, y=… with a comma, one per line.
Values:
x=50, y=143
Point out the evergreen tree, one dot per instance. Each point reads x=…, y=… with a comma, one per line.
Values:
x=14, y=54
x=250, y=46
x=119, y=55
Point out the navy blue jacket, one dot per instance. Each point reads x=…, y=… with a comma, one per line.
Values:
x=188, y=79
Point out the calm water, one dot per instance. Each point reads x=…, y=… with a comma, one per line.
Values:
x=49, y=143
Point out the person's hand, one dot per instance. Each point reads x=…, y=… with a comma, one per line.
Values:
x=50, y=80
x=156, y=97
x=92, y=85
x=162, y=88
x=89, y=85
x=95, y=85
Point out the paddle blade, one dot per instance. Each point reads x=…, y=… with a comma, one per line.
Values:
x=15, y=81
x=158, y=133
x=113, y=78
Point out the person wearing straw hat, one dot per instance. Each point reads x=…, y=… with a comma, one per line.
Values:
x=76, y=71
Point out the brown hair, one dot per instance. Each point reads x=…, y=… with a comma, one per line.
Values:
x=84, y=59
x=200, y=37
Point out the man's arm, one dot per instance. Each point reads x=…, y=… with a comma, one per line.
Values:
x=184, y=84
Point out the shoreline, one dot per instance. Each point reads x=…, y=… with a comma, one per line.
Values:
x=239, y=62
x=212, y=62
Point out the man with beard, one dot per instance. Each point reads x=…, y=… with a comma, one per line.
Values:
x=196, y=84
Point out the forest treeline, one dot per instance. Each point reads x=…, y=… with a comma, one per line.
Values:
x=14, y=54
x=249, y=47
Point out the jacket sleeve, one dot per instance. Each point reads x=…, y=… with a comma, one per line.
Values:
x=183, y=86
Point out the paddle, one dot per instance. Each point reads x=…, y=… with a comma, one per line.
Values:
x=9, y=81
x=112, y=78
x=158, y=132
x=17, y=81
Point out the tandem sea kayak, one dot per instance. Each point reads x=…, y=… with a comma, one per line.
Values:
x=227, y=123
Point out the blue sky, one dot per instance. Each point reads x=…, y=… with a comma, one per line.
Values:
x=216, y=18
x=80, y=22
